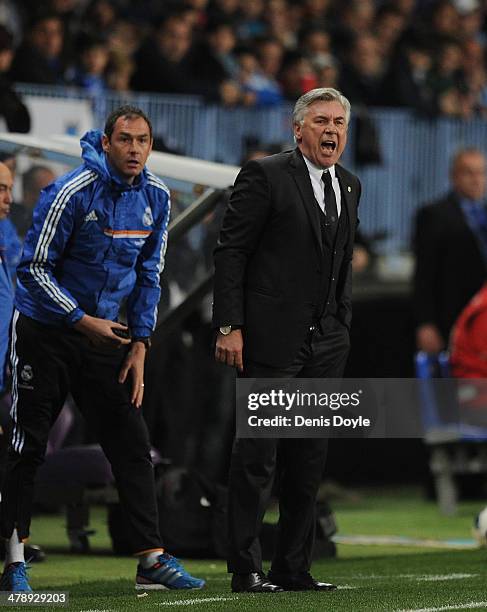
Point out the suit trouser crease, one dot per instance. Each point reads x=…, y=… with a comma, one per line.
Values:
x=47, y=363
x=298, y=465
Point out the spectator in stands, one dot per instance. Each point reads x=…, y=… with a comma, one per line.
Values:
x=471, y=19
x=270, y=53
x=256, y=87
x=280, y=23
x=316, y=44
x=389, y=25
x=362, y=77
x=297, y=75
x=214, y=59
x=40, y=58
x=34, y=180
x=251, y=23
x=100, y=16
x=120, y=71
x=354, y=19
x=328, y=74
x=445, y=21
x=447, y=81
x=316, y=12
x=89, y=73
x=408, y=83
x=162, y=61
x=12, y=110
x=224, y=9
x=163, y=64
x=450, y=246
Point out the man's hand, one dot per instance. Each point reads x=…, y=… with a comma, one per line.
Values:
x=134, y=363
x=100, y=331
x=429, y=339
x=229, y=349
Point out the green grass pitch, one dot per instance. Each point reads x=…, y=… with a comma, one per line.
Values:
x=370, y=577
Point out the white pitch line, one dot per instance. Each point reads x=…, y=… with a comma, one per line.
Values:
x=441, y=577
x=417, y=577
x=472, y=605
x=192, y=602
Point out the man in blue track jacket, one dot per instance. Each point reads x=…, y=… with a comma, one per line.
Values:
x=6, y=287
x=97, y=244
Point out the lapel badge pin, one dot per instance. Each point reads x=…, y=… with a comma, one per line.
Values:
x=349, y=189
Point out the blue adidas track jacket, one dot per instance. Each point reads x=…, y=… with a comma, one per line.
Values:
x=95, y=243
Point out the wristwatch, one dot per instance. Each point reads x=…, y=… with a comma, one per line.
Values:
x=226, y=329
x=145, y=341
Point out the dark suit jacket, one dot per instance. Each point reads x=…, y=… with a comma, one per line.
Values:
x=269, y=257
x=449, y=265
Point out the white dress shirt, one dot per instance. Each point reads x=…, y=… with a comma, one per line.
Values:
x=319, y=187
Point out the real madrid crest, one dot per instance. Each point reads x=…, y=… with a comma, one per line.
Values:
x=148, y=219
x=27, y=374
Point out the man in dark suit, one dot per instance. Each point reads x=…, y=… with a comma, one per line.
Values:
x=450, y=244
x=282, y=308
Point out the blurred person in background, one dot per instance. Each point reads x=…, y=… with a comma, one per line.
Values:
x=224, y=9
x=270, y=53
x=328, y=74
x=34, y=180
x=40, y=58
x=256, y=88
x=407, y=83
x=280, y=23
x=443, y=23
x=471, y=17
x=213, y=59
x=12, y=110
x=447, y=81
x=251, y=23
x=89, y=73
x=297, y=75
x=354, y=18
x=362, y=76
x=120, y=71
x=468, y=341
x=162, y=62
x=389, y=25
x=450, y=247
x=316, y=12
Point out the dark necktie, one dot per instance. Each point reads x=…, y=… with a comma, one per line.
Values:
x=331, y=210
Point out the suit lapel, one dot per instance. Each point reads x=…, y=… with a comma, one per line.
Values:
x=348, y=195
x=300, y=174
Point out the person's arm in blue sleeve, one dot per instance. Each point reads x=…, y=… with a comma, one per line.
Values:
x=143, y=301
x=43, y=250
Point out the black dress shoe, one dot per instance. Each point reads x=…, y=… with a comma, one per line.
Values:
x=303, y=581
x=255, y=582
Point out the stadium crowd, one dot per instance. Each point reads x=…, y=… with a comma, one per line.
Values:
x=425, y=55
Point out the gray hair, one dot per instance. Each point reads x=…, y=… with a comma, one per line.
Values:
x=328, y=94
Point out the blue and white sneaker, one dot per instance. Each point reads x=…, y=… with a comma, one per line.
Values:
x=167, y=573
x=14, y=578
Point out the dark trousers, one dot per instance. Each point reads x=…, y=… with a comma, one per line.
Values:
x=47, y=363
x=300, y=464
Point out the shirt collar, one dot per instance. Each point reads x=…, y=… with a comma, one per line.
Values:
x=316, y=171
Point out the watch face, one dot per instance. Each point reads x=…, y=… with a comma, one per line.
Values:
x=225, y=329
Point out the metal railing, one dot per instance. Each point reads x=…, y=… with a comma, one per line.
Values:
x=415, y=152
